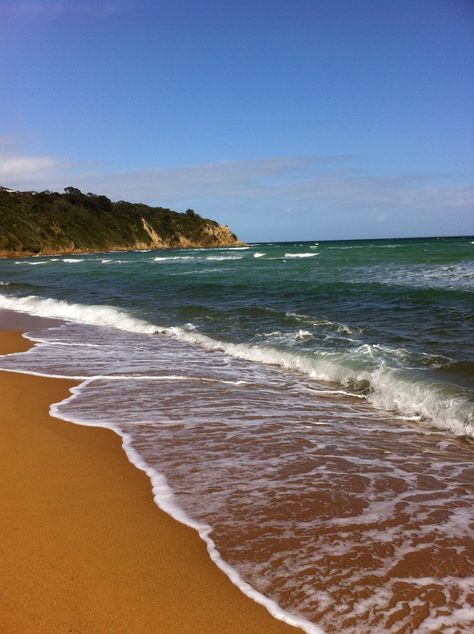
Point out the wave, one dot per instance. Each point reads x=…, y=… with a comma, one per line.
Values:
x=304, y=334
x=34, y=263
x=207, y=258
x=173, y=257
x=458, y=276
x=72, y=260
x=334, y=326
x=217, y=258
x=300, y=255
x=439, y=405
x=363, y=369
x=258, y=255
x=94, y=314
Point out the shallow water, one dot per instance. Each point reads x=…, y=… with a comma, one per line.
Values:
x=311, y=416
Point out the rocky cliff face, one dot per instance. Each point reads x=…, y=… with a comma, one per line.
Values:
x=50, y=223
x=211, y=235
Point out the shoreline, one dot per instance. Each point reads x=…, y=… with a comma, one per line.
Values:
x=85, y=548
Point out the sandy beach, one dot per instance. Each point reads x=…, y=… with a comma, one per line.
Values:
x=84, y=548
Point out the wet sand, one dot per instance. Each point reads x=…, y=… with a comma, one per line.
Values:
x=84, y=549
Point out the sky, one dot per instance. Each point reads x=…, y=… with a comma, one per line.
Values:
x=285, y=119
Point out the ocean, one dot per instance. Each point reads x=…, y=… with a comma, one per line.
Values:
x=307, y=407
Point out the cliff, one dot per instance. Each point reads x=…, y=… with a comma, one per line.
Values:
x=48, y=222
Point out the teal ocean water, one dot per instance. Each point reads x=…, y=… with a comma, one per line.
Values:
x=307, y=407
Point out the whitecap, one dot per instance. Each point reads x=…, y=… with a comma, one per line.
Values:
x=173, y=257
x=304, y=334
x=364, y=367
x=223, y=257
x=56, y=308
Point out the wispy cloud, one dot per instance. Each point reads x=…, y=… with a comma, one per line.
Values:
x=225, y=179
x=290, y=186
x=300, y=181
x=27, y=169
x=19, y=169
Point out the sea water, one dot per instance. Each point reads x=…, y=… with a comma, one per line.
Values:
x=307, y=407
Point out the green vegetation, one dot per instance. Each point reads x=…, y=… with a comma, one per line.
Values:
x=49, y=222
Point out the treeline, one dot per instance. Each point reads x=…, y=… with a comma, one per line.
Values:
x=50, y=222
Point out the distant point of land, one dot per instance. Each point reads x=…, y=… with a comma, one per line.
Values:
x=46, y=223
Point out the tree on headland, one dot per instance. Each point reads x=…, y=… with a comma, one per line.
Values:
x=50, y=222
x=192, y=213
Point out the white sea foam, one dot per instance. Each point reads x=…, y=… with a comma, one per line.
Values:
x=165, y=499
x=218, y=258
x=164, y=258
x=304, y=334
x=196, y=258
x=458, y=276
x=363, y=367
x=334, y=326
x=99, y=315
x=258, y=255
x=389, y=388
x=300, y=255
x=33, y=263
x=73, y=260
x=339, y=419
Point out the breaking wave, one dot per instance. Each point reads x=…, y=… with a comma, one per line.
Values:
x=364, y=369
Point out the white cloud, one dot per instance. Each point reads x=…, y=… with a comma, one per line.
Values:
x=27, y=169
x=255, y=186
x=296, y=182
x=226, y=179
x=21, y=170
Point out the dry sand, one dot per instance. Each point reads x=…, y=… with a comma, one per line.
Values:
x=83, y=546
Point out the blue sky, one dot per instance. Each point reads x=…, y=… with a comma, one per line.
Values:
x=286, y=119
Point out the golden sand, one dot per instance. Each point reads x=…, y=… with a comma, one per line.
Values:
x=84, y=549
